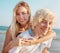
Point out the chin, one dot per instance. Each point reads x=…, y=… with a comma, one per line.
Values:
x=23, y=23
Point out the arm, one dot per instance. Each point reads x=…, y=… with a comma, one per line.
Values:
x=8, y=38
x=8, y=44
x=49, y=35
x=33, y=41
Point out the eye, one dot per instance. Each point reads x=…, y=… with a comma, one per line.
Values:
x=17, y=14
x=50, y=22
x=24, y=13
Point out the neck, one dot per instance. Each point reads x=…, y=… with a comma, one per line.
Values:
x=24, y=26
x=21, y=26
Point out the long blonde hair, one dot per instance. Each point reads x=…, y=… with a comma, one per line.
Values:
x=43, y=14
x=14, y=25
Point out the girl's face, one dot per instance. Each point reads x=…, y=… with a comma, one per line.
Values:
x=21, y=15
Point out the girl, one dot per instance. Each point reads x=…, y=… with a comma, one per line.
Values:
x=20, y=23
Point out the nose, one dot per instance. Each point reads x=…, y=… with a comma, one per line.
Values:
x=21, y=16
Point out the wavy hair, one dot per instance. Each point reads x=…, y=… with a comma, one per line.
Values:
x=14, y=24
x=44, y=14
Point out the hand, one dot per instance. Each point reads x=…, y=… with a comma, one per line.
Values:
x=29, y=41
x=15, y=42
x=25, y=42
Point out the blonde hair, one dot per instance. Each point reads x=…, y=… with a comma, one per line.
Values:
x=14, y=25
x=43, y=14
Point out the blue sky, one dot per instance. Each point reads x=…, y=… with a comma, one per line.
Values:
x=6, y=9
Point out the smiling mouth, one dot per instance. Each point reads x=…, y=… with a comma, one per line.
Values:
x=21, y=20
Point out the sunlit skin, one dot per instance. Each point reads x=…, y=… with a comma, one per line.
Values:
x=22, y=16
x=42, y=29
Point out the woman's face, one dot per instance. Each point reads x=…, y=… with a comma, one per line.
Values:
x=41, y=27
x=21, y=15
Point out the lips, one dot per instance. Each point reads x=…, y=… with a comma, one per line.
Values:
x=21, y=20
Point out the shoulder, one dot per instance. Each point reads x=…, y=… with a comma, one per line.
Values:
x=8, y=33
x=52, y=33
x=8, y=37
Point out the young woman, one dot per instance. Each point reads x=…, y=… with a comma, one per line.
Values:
x=20, y=23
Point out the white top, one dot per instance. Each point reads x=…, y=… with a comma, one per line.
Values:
x=37, y=48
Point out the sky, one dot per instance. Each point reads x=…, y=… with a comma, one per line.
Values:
x=7, y=6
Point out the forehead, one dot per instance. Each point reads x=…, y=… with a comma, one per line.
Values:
x=21, y=9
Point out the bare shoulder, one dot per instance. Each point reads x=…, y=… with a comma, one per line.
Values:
x=8, y=32
x=8, y=37
x=52, y=33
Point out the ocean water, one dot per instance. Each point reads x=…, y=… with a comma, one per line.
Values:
x=3, y=33
x=57, y=32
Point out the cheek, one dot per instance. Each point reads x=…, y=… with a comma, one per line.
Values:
x=50, y=26
x=26, y=19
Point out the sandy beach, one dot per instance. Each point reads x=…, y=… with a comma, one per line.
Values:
x=55, y=48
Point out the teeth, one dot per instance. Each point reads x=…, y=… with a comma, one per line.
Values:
x=42, y=24
x=21, y=21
